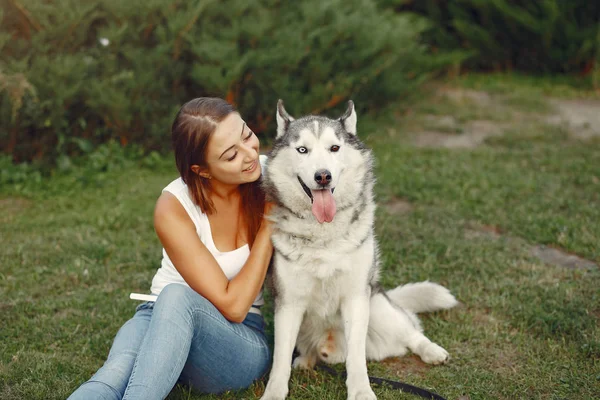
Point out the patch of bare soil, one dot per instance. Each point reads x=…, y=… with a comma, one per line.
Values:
x=581, y=117
x=466, y=95
x=548, y=255
x=482, y=317
x=559, y=258
x=397, y=206
x=476, y=231
x=406, y=366
x=506, y=359
x=474, y=134
x=444, y=123
x=444, y=131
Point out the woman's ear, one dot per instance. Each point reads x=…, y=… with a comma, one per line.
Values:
x=198, y=170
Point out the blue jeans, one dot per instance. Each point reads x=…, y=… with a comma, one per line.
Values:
x=182, y=337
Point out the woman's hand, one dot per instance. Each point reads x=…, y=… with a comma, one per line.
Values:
x=266, y=223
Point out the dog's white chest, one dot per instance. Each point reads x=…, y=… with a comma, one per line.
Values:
x=325, y=298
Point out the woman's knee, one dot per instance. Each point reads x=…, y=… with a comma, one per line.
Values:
x=173, y=292
x=179, y=300
x=174, y=295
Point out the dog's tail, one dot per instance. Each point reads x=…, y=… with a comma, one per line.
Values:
x=422, y=297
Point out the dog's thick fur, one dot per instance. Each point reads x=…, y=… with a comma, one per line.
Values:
x=328, y=302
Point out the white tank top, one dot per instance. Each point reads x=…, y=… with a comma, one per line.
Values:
x=231, y=262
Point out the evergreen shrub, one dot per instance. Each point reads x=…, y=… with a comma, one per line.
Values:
x=75, y=74
x=537, y=36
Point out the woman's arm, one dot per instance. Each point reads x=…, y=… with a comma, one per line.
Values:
x=233, y=298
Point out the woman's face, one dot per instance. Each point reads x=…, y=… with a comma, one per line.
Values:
x=232, y=152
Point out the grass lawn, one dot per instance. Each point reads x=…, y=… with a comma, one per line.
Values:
x=485, y=184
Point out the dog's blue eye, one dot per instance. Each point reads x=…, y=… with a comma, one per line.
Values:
x=301, y=149
x=334, y=148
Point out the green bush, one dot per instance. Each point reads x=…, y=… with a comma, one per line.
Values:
x=75, y=74
x=540, y=36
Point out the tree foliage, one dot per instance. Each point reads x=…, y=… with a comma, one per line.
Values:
x=541, y=36
x=75, y=74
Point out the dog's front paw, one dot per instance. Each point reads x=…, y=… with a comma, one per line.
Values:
x=434, y=354
x=275, y=392
x=363, y=394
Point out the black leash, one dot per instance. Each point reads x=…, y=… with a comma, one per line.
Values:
x=405, y=387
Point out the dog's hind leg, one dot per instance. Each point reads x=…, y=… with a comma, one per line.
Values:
x=393, y=330
x=388, y=326
x=429, y=352
x=288, y=317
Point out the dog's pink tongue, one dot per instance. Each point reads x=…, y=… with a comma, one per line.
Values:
x=323, y=207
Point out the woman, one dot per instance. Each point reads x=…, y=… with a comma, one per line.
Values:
x=205, y=328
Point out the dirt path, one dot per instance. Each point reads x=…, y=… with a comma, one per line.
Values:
x=579, y=117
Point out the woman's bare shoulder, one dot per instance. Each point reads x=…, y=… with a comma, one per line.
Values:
x=169, y=209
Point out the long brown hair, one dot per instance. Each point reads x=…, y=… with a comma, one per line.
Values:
x=192, y=128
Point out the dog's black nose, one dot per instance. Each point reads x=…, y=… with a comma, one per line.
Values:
x=323, y=177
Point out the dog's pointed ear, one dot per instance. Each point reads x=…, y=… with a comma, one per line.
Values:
x=283, y=119
x=348, y=120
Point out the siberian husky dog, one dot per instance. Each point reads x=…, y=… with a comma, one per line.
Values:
x=325, y=265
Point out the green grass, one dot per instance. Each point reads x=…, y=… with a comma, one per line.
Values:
x=75, y=245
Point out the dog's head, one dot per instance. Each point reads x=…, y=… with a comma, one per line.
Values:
x=317, y=163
